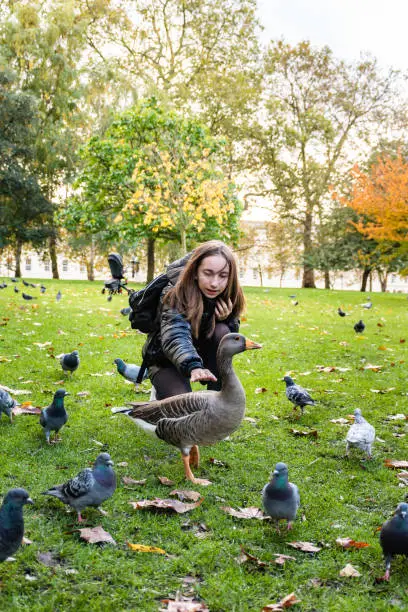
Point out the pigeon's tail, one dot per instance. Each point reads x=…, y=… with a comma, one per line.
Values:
x=56, y=492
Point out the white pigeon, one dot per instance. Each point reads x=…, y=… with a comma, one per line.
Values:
x=360, y=435
x=368, y=304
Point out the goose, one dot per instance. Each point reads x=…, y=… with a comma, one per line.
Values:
x=199, y=417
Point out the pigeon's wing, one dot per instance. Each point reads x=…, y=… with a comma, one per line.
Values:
x=298, y=395
x=296, y=494
x=80, y=485
x=43, y=418
x=170, y=408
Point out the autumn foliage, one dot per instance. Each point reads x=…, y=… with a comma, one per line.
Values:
x=381, y=196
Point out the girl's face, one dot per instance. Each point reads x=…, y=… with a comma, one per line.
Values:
x=212, y=275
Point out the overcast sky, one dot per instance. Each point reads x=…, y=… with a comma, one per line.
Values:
x=348, y=27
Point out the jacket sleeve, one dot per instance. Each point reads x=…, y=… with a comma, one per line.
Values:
x=177, y=342
x=233, y=324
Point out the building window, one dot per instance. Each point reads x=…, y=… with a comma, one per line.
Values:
x=241, y=273
x=255, y=273
x=65, y=265
x=28, y=263
x=393, y=278
x=47, y=266
x=82, y=268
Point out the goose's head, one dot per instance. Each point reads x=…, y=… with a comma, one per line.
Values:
x=231, y=344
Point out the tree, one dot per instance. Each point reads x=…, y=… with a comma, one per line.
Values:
x=24, y=210
x=315, y=106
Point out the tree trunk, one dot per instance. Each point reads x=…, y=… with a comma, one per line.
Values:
x=90, y=264
x=366, y=274
x=183, y=241
x=308, y=280
x=327, y=279
x=150, y=259
x=383, y=278
x=260, y=274
x=52, y=245
x=17, y=255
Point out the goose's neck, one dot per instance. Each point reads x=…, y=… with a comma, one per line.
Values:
x=230, y=383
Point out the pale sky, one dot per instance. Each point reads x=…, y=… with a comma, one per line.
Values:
x=348, y=27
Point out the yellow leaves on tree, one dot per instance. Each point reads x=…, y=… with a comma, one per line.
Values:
x=382, y=197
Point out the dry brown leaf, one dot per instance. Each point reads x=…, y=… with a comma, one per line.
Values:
x=26, y=409
x=96, y=535
x=15, y=391
x=83, y=393
x=123, y=464
x=145, y=549
x=340, y=421
x=305, y=546
x=395, y=464
x=349, y=543
x=244, y=557
x=166, y=481
x=166, y=504
x=298, y=432
x=189, y=495
x=261, y=390
x=396, y=417
x=283, y=604
x=349, y=571
x=127, y=480
x=247, y=513
x=373, y=368
x=183, y=604
x=382, y=391
x=281, y=559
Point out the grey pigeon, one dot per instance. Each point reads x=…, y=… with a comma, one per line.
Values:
x=54, y=417
x=368, y=304
x=12, y=521
x=7, y=404
x=126, y=311
x=14, y=280
x=16, y=290
x=43, y=289
x=32, y=285
x=26, y=296
x=359, y=327
x=25, y=283
x=129, y=371
x=341, y=312
x=70, y=361
x=280, y=497
x=109, y=298
x=394, y=537
x=3, y=285
x=297, y=394
x=58, y=296
x=91, y=487
x=361, y=434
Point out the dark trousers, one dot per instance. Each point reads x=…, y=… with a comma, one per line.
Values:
x=168, y=381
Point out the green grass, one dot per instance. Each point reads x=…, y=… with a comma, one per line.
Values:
x=340, y=498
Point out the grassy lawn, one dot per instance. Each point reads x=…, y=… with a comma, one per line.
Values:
x=340, y=498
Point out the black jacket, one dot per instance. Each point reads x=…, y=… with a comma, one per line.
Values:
x=172, y=341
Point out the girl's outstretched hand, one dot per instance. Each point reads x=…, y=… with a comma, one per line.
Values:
x=202, y=375
x=223, y=309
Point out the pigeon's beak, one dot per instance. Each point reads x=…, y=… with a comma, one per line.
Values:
x=110, y=462
x=250, y=344
x=403, y=514
x=29, y=500
x=275, y=473
x=66, y=393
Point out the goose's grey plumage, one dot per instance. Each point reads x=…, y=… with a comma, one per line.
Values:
x=361, y=434
x=200, y=417
x=91, y=487
x=280, y=497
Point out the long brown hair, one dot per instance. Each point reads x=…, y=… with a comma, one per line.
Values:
x=186, y=296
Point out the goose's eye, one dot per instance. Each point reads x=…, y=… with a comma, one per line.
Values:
x=237, y=338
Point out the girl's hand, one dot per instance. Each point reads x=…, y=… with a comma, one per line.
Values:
x=202, y=375
x=223, y=309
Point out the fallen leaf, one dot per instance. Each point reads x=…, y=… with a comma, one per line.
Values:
x=145, y=549
x=382, y=391
x=349, y=543
x=244, y=557
x=396, y=417
x=123, y=464
x=246, y=513
x=374, y=368
x=15, y=391
x=96, y=535
x=281, y=559
x=261, y=390
x=304, y=546
x=190, y=495
x=340, y=421
x=26, y=541
x=83, y=393
x=166, y=481
x=321, y=368
x=183, y=604
x=166, y=504
x=27, y=409
x=395, y=464
x=218, y=463
x=349, y=571
x=47, y=559
x=283, y=604
x=127, y=480
x=402, y=340
x=298, y=432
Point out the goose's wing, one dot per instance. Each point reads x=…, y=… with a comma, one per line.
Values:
x=172, y=407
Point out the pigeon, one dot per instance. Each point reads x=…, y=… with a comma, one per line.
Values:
x=16, y=290
x=58, y=296
x=109, y=298
x=394, y=537
x=70, y=361
x=43, y=289
x=297, y=395
x=14, y=280
x=7, y=403
x=25, y=283
x=54, y=417
x=126, y=311
x=26, y=296
x=91, y=487
x=292, y=296
x=280, y=497
x=129, y=371
x=368, y=304
x=361, y=434
x=341, y=312
x=12, y=522
x=3, y=285
x=32, y=285
x=295, y=302
x=359, y=327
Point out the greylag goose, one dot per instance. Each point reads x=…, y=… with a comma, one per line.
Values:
x=200, y=417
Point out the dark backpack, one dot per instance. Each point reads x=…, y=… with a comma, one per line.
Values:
x=145, y=304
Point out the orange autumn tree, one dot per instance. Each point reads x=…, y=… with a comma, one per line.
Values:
x=381, y=198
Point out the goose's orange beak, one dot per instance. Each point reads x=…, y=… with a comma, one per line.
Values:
x=250, y=344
